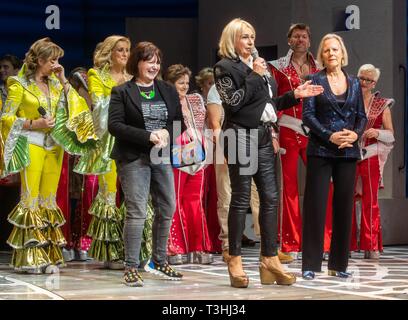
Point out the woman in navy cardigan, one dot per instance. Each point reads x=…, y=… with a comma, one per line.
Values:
x=336, y=120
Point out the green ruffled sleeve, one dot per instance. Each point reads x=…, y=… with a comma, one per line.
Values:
x=97, y=160
x=15, y=149
x=74, y=129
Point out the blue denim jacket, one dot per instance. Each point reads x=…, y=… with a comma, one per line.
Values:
x=323, y=116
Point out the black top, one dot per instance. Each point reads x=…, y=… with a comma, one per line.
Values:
x=244, y=93
x=153, y=107
x=341, y=99
x=127, y=124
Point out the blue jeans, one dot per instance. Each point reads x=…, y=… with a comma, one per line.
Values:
x=140, y=178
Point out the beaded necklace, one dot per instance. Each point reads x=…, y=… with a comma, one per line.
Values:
x=147, y=94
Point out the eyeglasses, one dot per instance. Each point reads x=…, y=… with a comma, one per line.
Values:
x=369, y=81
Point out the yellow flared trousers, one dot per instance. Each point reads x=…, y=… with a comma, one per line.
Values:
x=107, y=181
x=39, y=181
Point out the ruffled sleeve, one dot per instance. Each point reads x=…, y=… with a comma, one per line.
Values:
x=97, y=160
x=74, y=129
x=100, y=102
x=15, y=148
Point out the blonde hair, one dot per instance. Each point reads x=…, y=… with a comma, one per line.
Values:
x=370, y=68
x=43, y=49
x=203, y=75
x=344, y=61
x=103, y=51
x=230, y=33
x=97, y=48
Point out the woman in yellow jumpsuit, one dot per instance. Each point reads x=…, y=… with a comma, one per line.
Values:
x=42, y=116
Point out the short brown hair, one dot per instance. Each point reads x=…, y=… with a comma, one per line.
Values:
x=299, y=26
x=143, y=51
x=175, y=72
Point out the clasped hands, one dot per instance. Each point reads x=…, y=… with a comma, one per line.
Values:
x=160, y=138
x=344, y=138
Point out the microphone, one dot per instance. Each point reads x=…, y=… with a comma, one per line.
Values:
x=81, y=79
x=255, y=55
x=42, y=112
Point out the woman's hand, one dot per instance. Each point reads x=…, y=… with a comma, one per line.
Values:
x=59, y=72
x=371, y=133
x=260, y=66
x=275, y=144
x=154, y=137
x=160, y=138
x=43, y=123
x=344, y=138
x=308, y=90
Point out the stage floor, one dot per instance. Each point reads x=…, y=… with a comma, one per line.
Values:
x=386, y=279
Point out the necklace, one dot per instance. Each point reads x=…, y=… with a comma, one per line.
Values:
x=301, y=74
x=147, y=94
x=301, y=65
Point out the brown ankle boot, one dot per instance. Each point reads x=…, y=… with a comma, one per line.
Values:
x=271, y=271
x=238, y=277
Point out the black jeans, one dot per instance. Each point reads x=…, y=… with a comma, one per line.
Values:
x=265, y=180
x=319, y=172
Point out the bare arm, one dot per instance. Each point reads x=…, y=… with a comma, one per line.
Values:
x=387, y=120
x=214, y=113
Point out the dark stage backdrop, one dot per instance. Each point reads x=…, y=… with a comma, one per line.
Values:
x=82, y=23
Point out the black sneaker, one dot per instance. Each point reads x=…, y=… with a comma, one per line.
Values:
x=132, y=278
x=163, y=270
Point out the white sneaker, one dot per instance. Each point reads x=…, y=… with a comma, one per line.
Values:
x=52, y=268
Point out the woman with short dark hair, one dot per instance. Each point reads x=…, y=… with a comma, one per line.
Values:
x=141, y=116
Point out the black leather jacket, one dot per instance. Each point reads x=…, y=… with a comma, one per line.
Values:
x=244, y=93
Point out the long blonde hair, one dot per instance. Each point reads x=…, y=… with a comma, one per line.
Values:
x=230, y=33
x=103, y=52
x=43, y=49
